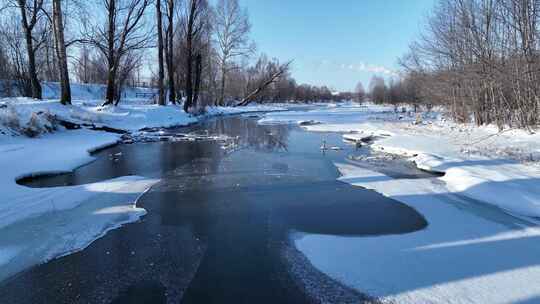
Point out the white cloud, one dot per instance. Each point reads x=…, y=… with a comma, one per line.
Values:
x=378, y=69
x=360, y=67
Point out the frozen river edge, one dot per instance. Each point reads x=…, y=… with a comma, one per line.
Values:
x=474, y=249
x=40, y=224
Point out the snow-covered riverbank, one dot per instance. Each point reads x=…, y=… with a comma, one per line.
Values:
x=469, y=253
x=24, y=115
x=474, y=250
x=38, y=224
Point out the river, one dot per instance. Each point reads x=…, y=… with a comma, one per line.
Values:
x=219, y=224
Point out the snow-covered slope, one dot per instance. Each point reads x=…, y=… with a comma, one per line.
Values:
x=19, y=115
x=81, y=91
x=22, y=113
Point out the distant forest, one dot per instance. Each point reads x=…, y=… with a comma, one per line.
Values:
x=478, y=58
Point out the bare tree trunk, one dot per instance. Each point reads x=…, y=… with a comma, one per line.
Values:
x=111, y=75
x=161, y=76
x=65, y=97
x=189, y=83
x=110, y=93
x=28, y=26
x=189, y=57
x=32, y=72
x=50, y=73
x=198, y=71
x=169, y=51
x=222, y=88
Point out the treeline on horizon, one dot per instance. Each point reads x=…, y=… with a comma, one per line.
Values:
x=478, y=58
x=199, y=54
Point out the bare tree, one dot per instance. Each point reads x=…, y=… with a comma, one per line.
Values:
x=272, y=76
x=82, y=66
x=46, y=55
x=126, y=72
x=5, y=68
x=123, y=32
x=169, y=49
x=198, y=72
x=360, y=92
x=16, y=56
x=232, y=29
x=91, y=66
x=378, y=89
x=480, y=59
x=4, y=63
x=161, y=75
x=31, y=12
x=58, y=26
x=194, y=27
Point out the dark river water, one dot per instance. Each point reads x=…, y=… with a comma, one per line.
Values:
x=219, y=222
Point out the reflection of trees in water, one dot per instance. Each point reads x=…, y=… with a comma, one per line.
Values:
x=178, y=154
x=250, y=134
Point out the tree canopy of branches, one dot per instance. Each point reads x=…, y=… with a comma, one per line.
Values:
x=272, y=72
x=121, y=34
x=360, y=92
x=231, y=30
x=480, y=59
x=196, y=18
x=31, y=13
x=378, y=90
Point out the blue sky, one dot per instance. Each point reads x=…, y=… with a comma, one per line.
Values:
x=337, y=42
